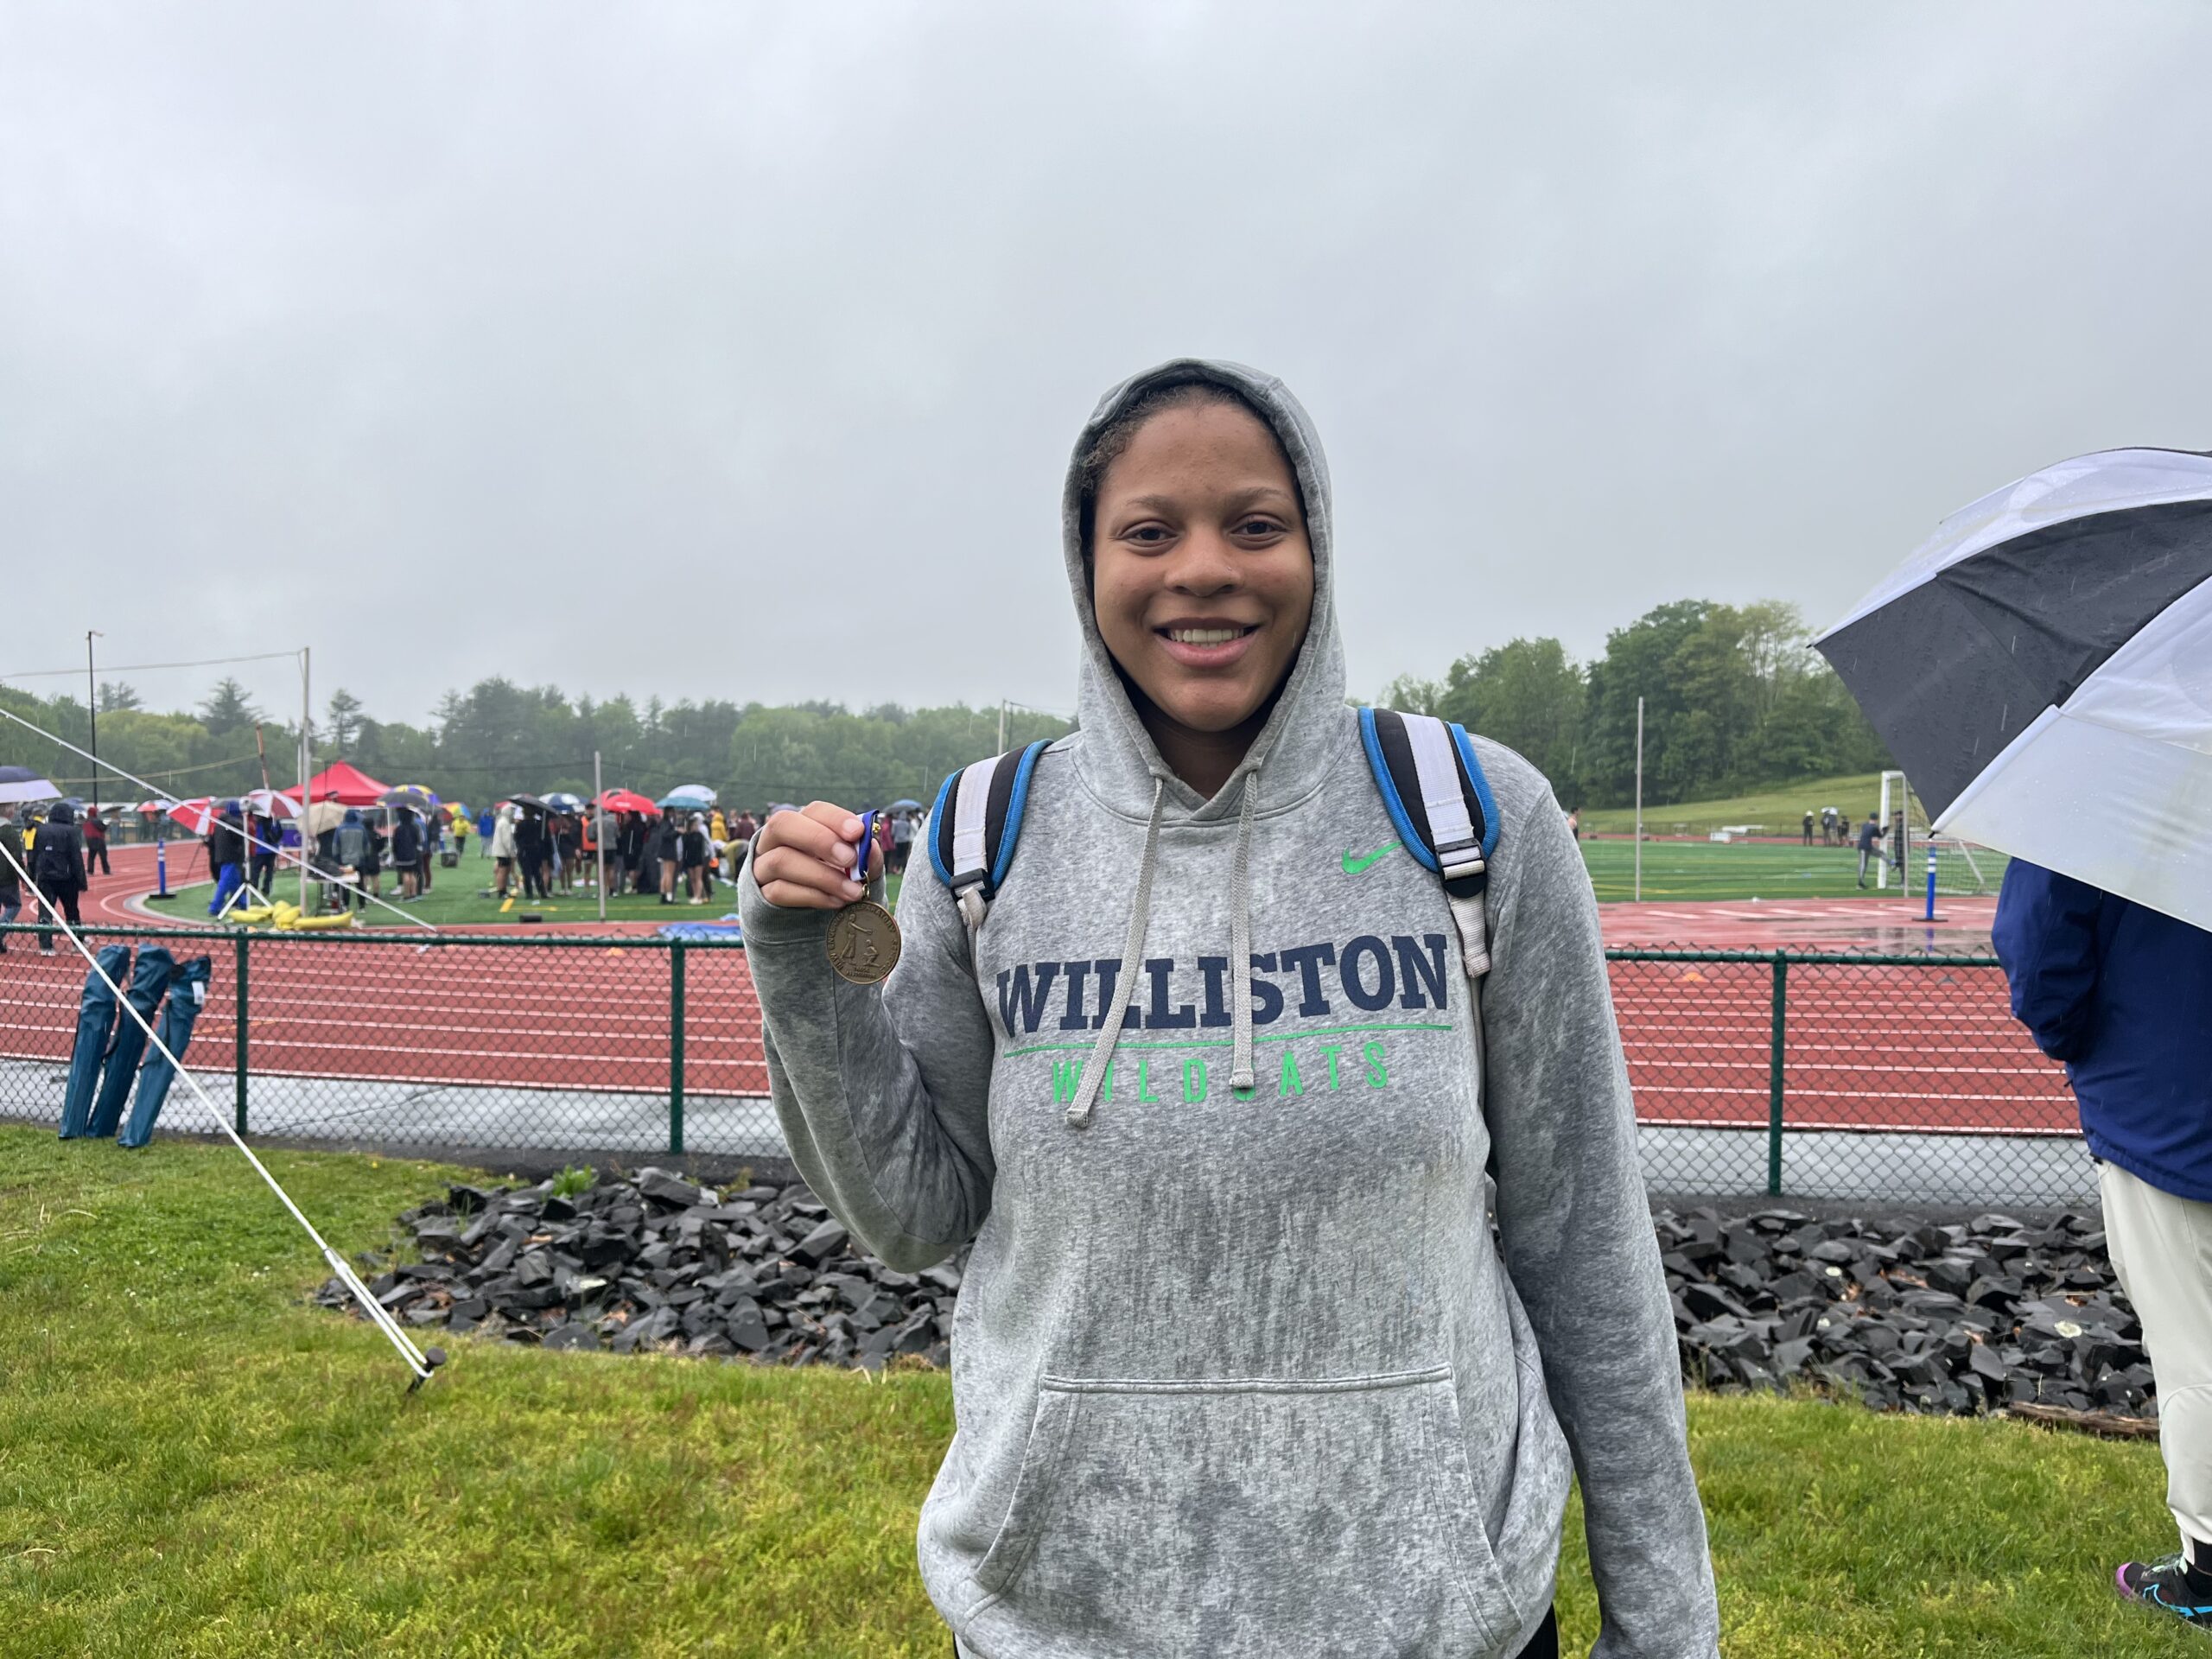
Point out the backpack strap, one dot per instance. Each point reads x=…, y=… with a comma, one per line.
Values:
x=1439, y=800
x=975, y=825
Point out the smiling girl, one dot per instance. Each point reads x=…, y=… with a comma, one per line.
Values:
x=1241, y=1365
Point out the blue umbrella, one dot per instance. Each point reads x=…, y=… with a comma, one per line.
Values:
x=692, y=798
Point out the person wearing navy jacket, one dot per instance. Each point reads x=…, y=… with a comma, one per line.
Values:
x=2123, y=995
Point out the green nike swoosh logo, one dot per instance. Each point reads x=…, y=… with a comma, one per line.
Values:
x=1354, y=863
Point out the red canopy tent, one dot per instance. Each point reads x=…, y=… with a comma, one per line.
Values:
x=344, y=783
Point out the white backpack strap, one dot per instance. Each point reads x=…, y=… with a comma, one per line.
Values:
x=1437, y=797
x=974, y=826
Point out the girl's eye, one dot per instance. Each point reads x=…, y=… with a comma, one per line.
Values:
x=1259, y=527
x=1146, y=535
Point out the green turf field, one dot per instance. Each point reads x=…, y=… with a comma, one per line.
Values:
x=194, y=1462
x=1737, y=869
x=458, y=900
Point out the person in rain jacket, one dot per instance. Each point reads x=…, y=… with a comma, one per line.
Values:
x=2123, y=995
x=225, y=856
x=350, y=850
x=407, y=852
x=502, y=842
x=11, y=882
x=58, y=868
x=1239, y=1367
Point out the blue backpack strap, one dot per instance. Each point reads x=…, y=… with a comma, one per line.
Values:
x=1433, y=788
x=975, y=826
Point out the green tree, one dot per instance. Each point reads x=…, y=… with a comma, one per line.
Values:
x=1529, y=694
x=228, y=709
x=116, y=696
x=1409, y=694
x=343, y=715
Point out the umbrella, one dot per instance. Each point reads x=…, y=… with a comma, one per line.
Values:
x=21, y=783
x=628, y=800
x=196, y=815
x=2041, y=669
x=270, y=804
x=561, y=801
x=324, y=815
x=529, y=803
x=903, y=806
x=691, y=797
x=414, y=795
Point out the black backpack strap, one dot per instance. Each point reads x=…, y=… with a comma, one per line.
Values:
x=1434, y=789
x=975, y=826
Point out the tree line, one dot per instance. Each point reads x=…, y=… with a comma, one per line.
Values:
x=1732, y=701
x=498, y=738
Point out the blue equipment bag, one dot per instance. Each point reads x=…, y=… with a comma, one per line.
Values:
x=187, y=995
x=95, y=1019
x=148, y=979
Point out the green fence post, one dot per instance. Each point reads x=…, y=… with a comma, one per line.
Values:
x=239, y=949
x=676, y=1048
x=1774, y=1073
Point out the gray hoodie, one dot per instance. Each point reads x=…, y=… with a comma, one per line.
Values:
x=1248, y=1373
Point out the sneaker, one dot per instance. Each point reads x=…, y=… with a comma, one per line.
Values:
x=2164, y=1584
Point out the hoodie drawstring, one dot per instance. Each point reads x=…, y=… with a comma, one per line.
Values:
x=1102, y=1052
x=1240, y=951
x=1240, y=941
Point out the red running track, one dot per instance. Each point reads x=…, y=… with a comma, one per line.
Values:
x=1868, y=1047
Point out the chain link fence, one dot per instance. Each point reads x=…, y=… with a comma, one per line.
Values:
x=1893, y=1079
x=1843, y=1075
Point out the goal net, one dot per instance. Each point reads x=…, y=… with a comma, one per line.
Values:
x=1963, y=869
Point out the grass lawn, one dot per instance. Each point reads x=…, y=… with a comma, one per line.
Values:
x=192, y=1462
x=1735, y=869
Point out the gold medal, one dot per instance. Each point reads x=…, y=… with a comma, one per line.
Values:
x=863, y=940
x=863, y=943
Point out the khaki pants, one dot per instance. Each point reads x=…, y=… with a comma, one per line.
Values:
x=2162, y=1249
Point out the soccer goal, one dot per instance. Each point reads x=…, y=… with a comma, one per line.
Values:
x=1964, y=868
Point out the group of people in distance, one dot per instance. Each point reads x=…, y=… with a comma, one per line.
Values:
x=677, y=854
x=57, y=853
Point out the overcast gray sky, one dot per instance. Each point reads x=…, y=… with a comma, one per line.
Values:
x=735, y=350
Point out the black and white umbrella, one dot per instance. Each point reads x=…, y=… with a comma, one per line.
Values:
x=2041, y=669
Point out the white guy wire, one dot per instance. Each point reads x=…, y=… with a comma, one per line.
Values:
x=136, y=668
x=378, y=1312
x=282, y=852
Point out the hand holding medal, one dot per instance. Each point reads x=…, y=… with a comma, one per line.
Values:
x=819, y=859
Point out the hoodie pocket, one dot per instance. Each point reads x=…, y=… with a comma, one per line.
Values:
x=1247, y=1516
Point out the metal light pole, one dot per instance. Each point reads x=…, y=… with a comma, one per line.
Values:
x=93, y=706
x=1639, y=799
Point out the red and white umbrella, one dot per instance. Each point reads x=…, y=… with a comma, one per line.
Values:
x=270, y=804
x=196, y=815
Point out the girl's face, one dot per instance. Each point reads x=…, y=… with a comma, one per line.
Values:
x=1202, y=575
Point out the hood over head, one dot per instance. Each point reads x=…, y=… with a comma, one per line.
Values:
x=1287, y=761
x=63, y=812
x=1117, y=755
